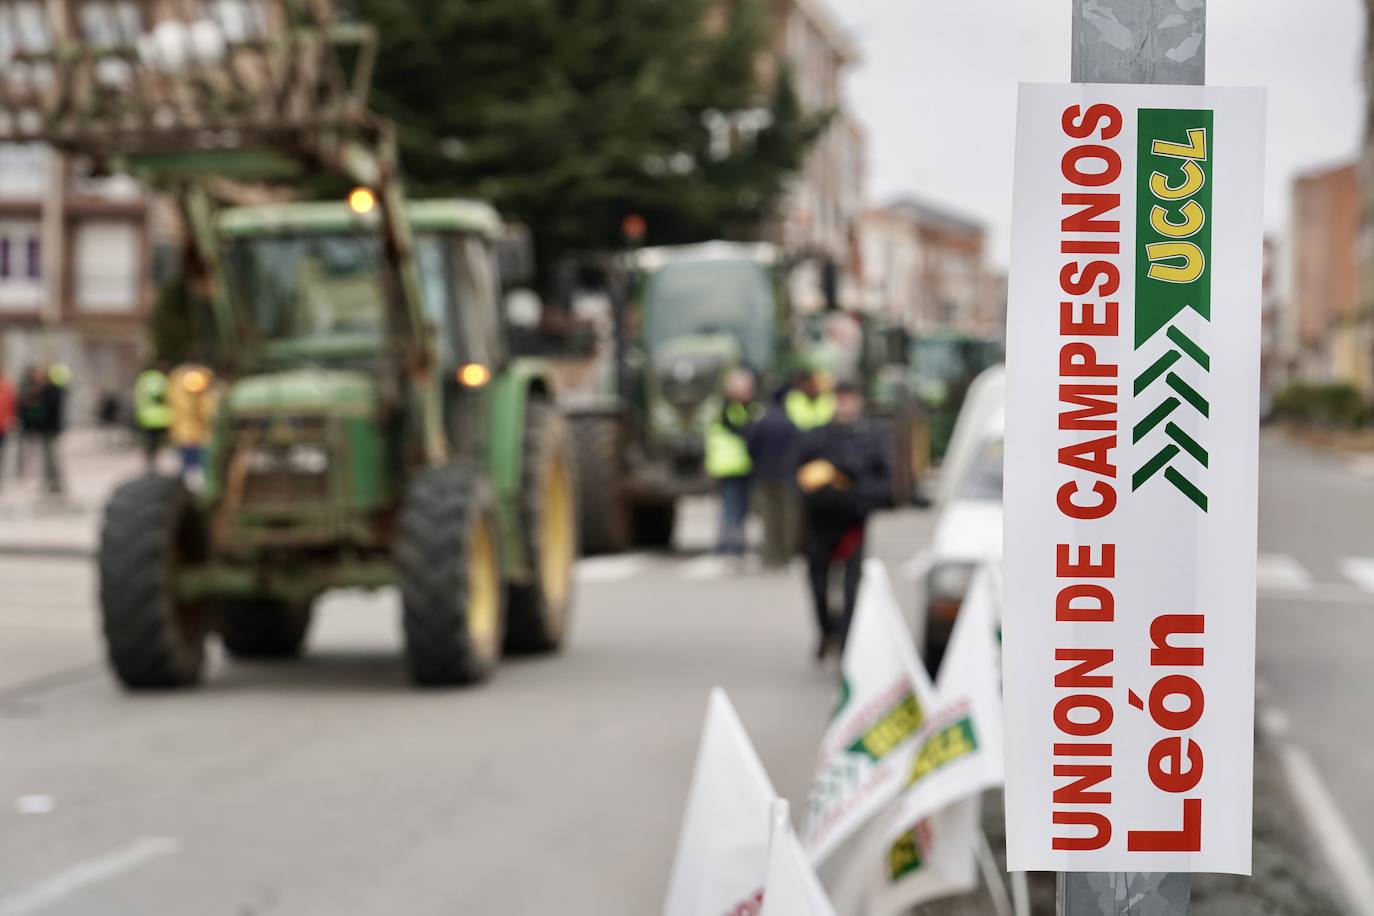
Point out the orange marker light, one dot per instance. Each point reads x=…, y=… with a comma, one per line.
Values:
x=195, y=381
x=474, y=375
x=361, y=201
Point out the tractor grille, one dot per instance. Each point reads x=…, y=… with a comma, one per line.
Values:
x=282, y=461
x=277, y=488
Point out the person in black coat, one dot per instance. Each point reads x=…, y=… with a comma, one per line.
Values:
x=774, y=446
x=844, y=476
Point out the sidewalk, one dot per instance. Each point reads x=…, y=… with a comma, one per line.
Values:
x=94, y=462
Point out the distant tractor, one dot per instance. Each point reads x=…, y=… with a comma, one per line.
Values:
x=873, y=351
x=372, y=430
x=684, y=318
x=943, y=365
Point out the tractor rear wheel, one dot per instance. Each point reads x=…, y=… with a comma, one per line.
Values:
x=538, y=612
x=154, y=638
x=604, y=515
x=263, y=628
x=449, y=566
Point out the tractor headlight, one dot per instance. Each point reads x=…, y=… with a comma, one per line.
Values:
x=307, y=459
x=295, y=459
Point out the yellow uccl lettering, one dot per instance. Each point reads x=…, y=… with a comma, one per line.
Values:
x=1193, y=220
x=1193, y=180
x=941, y=748
x=1195, y=148
x=900, y=722
x=1188, y=259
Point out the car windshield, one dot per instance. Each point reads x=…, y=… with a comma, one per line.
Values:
x=318, y=289
x=984, y=479
x=713, y=297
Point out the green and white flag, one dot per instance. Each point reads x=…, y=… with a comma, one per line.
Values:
x=1133, y=337
x=885, y=697
x=959, y=750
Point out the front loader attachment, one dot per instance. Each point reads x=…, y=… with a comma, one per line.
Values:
x=183, y=93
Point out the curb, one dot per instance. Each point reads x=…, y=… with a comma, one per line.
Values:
x=56, y=551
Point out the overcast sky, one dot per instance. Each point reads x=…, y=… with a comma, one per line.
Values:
x=937, y=89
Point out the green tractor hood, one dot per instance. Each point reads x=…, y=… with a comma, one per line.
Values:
x=314, y=391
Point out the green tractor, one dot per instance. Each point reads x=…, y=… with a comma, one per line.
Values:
x=942, y=367
x=684, y=318
x=873, y=351
x=372, y=429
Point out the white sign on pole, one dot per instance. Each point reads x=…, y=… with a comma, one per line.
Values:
x=1131, y=451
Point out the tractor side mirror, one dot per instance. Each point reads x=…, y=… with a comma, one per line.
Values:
x=515, y=257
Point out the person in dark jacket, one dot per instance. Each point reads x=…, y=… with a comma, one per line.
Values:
x=844, y=475
x=774, y=446
x=50, y=419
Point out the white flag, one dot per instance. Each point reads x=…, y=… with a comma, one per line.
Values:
x=722, y=850
x=792, y=888
x=959, y=750
x=936, y=858
x=885, y=696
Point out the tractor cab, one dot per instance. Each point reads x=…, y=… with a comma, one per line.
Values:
x=701, y=312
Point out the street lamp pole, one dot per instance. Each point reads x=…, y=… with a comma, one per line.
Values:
x=1134, y=41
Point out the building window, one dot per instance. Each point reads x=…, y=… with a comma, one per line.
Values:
x=35, y=258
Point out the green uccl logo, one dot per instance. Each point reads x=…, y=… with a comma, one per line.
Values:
x=1173, y=274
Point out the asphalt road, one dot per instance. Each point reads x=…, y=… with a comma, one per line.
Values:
x=1315, y=665
x=331, y=787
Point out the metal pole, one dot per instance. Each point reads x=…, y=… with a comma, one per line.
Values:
x=1134, y=41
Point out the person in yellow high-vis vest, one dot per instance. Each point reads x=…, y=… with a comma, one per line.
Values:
x=808, y=405
x=192, y=397
x=728, y=461
x=152, y=413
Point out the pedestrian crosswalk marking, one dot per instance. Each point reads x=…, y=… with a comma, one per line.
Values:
x=1278, y=572
x=1359, y=570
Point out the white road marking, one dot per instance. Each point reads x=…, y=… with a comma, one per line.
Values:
x=34, y=804
x=1359, y=570
x=58, y=887
x=1340, y=847
x=706, y=567
x=1278, y=572
x=611, y=569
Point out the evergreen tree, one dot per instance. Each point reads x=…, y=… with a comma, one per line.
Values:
x=571, y=114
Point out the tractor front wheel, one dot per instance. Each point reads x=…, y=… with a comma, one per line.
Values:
x=449, y=565
x=263, y=628
x=538, y=614
x=154, y=638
